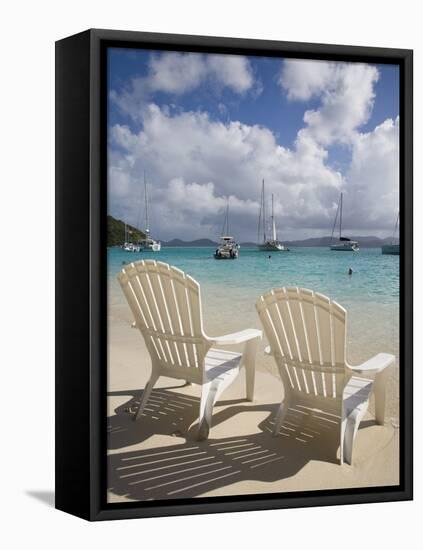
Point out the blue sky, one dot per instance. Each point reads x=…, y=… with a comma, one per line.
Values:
x=311, y=129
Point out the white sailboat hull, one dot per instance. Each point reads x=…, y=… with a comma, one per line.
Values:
x=130, y=247
x=153, y=247
x=348, y=246
x=273, y=246
x=228, y=249
x=226, y=254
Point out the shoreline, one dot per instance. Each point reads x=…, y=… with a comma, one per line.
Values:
x=357, y=352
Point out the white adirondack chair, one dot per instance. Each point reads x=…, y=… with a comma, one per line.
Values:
x=307, y=336
x=166, y=305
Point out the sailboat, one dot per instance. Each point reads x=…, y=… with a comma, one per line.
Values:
x=228, y=249
x=344, y=244
x=149, y=243
x=272, y=244
x=392, y=248
x=129, y=246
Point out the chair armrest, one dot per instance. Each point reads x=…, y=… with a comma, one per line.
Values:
x=237, y=337
x=374, y=365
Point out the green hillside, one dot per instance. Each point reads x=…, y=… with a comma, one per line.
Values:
x=116, y=232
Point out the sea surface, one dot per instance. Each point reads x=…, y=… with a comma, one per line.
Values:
x=230, y=288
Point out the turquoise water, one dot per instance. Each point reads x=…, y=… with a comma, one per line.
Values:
x=230, y=288
x=375, y=276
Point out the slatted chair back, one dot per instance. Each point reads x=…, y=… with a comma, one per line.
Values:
x=166, y=305
x=307, y=336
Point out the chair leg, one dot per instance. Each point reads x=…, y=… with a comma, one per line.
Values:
x=208, y=399
x=146, y=394
x=249, y=360
x=349, y=429
x=342, y=439
x=280, y=416
x=379, y=388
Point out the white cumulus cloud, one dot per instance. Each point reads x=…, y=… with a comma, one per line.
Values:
x=303, y=79
x=179, y=73
x=345, y=92
x=373, y=176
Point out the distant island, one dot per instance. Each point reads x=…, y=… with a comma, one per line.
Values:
x=365, y=242
x=116, y=234
x=196, y=242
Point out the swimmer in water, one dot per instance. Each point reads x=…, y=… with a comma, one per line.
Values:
x=350, y=272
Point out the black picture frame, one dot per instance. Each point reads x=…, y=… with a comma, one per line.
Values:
x=81, y=328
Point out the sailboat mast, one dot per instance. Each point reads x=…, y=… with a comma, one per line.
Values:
x=273, y=221
x=395, y=229
x=264, y=214
x=334, y=222
x=340, y=219
x=259, y=220
x=147, y=221
x=225, y=226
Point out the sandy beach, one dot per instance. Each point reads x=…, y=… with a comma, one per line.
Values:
x=158, y=457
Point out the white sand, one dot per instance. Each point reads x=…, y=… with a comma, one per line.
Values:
x=158, y=457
